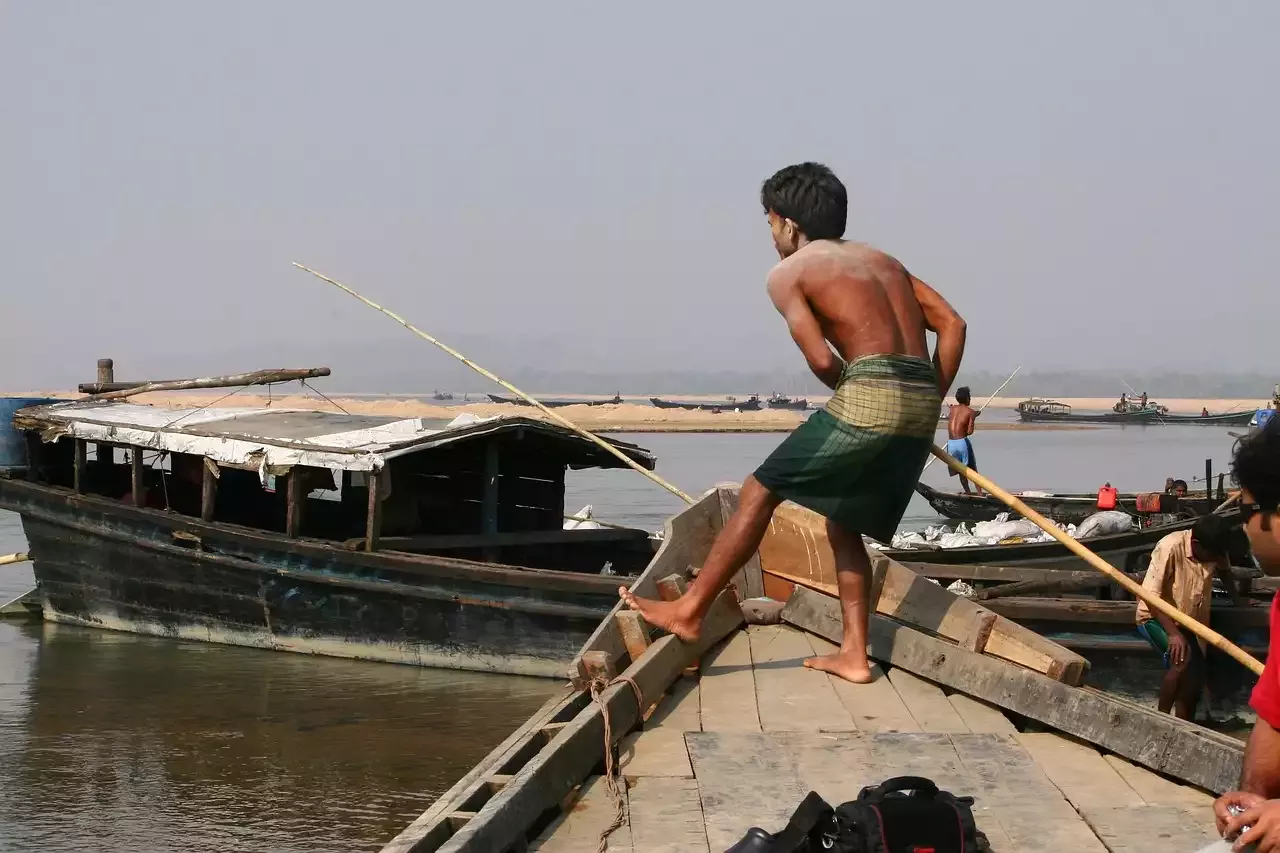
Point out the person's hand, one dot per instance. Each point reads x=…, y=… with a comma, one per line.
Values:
x=1264, y=820
x=1240, y=799
x=1177, y=649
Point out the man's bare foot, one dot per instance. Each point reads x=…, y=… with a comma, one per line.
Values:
x=843, y=665
x=670, y=616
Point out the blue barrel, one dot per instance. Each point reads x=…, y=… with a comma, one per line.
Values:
x=13, y=445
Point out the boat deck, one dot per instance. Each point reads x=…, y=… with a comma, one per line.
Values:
x=741, y=744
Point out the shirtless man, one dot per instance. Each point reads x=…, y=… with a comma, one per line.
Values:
x=959, y=428
x=857, y=461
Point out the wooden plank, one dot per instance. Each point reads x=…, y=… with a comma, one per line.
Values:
x=745, y=779
x=209, y=476
x=875, y=707
x=680, y=708
x=373, y=517
x=1079, y=772
x=1141, y=829
x=727, y=688
x=566, y=761
x=927, y=703
x=981, y=717
x=634, y=632
x=796, y=549
x=656, y=752
x=1006, y=776
x=81, y=460
x=1158, y=741
x=1157, y=790
x=687, y=538
x=519, y=537
x=578, y=829
x=295, y=501
x=666, y=816
x=789, y=696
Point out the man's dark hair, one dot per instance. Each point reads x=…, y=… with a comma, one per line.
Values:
x=1210, y=533
x=811, y=196
x=1180, y=483
x=1256, y=465
x=962, y=395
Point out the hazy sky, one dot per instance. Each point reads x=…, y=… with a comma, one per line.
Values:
x=1092, y=184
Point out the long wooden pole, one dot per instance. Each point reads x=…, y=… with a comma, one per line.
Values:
x=984, y=406
x=235, y=380
x=9, y=559
x=1153, y=601
x=513, y=389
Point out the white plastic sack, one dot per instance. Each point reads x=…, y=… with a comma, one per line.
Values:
x=998, y=530
x=1104, y=524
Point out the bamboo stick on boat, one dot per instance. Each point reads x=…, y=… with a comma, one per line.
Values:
x=1074, y=546
x=10, y=559
x=234, y=380
x=564, y=422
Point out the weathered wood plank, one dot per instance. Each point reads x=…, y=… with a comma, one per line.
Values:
x=578, y=829
x=656, y=752
x=571, y=755
x=875, y=707
x=1140, y=829
x=1079, y=772
x=789, y=696
x=981, y=717
x=744, y=779
x=634, y=632
x=666, y=816
x=680, y=709
x=749, y=582
x=1160, y=742
x=1006, y=778
x=1157, y=790
x=927, y=703
x=728, y=688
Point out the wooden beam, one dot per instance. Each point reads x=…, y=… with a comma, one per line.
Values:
x=498, y=540
x=373, y=518
x=234, y=380
x=1158, y=741
x=634, y=631
x=81, y=457
x=138, y=476
x=296, y=500
x=209, y=489
x=579, y=747
x=489, y=499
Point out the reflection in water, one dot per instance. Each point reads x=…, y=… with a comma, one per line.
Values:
x=116, y=742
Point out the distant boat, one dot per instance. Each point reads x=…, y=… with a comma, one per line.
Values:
x=781, y=401
x=1211, y=419
x=1039, y=410
x=1068, y=508
x=555, y=404
x=442, y=395
x=751, y=404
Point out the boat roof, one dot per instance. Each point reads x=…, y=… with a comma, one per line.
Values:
x=267, y=439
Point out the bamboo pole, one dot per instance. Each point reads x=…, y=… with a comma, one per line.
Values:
x=631, y=463
x=1153, y=601
x=9, y=559
x=235, y=380
x=984, y=406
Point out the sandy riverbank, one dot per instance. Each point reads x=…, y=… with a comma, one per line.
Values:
x=619, y=418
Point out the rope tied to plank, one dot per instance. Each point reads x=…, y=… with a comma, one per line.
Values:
x=614, y=784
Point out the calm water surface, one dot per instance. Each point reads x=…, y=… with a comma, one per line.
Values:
x=116, y=742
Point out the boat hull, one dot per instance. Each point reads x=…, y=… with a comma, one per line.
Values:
x=1099, y=418
x=1066, y=508
x=155, y=573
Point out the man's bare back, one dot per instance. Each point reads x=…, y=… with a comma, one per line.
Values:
x=960, y=421
x=859, y=301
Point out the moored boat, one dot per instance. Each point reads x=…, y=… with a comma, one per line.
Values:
x=751, y=404
x=554, y=404
x=1067, y=508
x=782, y=401
x=418, y=541
x=1039, y=410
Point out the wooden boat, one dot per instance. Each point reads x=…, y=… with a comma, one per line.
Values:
x=751, y=404
x=555, y=404
x=442, y=395
x=739, y=742
x=781, y=401
x=1038, y=410
x=1211, y=419
x=1126, y=551
x=427, y=542
x=1068, y=508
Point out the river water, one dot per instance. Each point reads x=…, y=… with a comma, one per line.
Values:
x=116, y=742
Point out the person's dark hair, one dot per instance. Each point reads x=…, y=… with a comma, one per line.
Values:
x=962, y=395
x=1256, y=465
x=811, y=196
x=1180, y=484
x=1211, y=533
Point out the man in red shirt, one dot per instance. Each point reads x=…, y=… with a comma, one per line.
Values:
x=1257, y=470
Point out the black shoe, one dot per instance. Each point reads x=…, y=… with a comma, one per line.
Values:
x=755, y=841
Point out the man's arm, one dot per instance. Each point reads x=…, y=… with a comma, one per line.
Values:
x=784, y=290
x=941, y=319
x=1261, y=772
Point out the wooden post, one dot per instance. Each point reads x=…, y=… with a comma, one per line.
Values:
x=106, y=371
x=82, y=452
x=1222, y=490
x=373, y=521
x=209, y=489
x=1208, y=478
x=138, y=476
x=296, y=500
x=489, y=501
